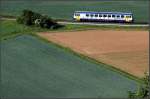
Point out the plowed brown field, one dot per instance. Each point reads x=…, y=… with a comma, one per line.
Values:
x=126, y=50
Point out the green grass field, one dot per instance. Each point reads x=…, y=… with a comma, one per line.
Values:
x=31, y=67
x=11, y=27
x=63, y=9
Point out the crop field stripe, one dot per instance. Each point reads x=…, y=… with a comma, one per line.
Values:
x=93, y=60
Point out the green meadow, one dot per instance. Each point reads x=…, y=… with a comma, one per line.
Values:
x=63, y=9
x=31, y=67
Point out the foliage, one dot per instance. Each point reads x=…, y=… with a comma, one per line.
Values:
x=32, y=18
x=143, y=90
x=20, y=20
x=47, y=22
x=11, y=27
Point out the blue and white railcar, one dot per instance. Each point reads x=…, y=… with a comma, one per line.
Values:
x=103, y=16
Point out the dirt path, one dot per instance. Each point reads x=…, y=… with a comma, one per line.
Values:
x=126, y=50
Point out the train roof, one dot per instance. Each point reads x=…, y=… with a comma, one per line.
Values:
x=103, y=12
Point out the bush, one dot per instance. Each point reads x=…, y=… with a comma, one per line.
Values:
x=56, y=26
x=20, y=20
x=37, y=22
x=31, y=18
x=27, y=17
x=143, y=90
x=46, y=22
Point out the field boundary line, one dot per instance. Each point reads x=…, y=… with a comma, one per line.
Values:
x=110, y=67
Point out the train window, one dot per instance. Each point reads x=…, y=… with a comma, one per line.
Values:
x=104, y=15
x=96, y=15
x=100, y=15
x=109, y=16
x=118, y=16
x=128, y=16
x=122, y=16
x=113, y=16
x=91, y=15
x=77, y=14
x=87, y=15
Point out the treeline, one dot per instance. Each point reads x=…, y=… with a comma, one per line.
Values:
x=29, y=18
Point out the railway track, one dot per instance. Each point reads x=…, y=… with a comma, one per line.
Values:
x=106, y=24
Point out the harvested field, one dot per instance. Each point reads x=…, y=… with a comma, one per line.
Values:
x=33, y=68
x=126, y=50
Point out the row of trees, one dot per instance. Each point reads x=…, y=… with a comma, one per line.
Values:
x=29, y=17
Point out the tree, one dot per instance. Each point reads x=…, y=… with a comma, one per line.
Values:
x=32, y=18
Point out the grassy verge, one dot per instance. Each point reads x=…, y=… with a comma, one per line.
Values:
x=11, y=27
x=7, y=16
x=93, y=60
x=75, y=27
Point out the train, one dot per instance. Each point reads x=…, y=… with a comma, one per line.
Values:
x=91, y=16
